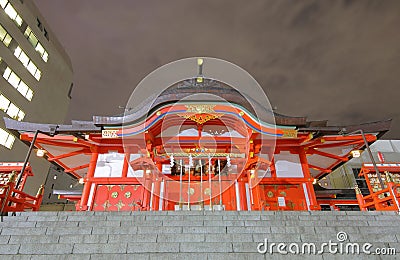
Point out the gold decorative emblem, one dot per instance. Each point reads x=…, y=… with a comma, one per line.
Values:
x=200, y=113
x=207, y=191
x=128, y=194
x=114, y=194
x=106, y=205
x=283, y=193
x=270, y=194
x=289, y=133
x=191, y=191
x=119, y=205
x=241, y=113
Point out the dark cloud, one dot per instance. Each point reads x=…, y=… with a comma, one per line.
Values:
x=335, y=60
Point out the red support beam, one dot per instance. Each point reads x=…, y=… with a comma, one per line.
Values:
x=66, y=155
x=314, y=151
x=77, y=168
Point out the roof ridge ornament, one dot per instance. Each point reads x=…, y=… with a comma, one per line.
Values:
x=200, y=77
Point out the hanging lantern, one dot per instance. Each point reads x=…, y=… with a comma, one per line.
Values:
x=190, y=161
x=171, y=160
x=228, y=161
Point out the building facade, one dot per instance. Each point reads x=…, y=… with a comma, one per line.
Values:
x=199, y=155
x=36, y=80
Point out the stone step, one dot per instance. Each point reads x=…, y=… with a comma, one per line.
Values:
x=179, y=235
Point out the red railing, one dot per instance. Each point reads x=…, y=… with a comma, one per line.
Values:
x=13, y=200
x=382, y=200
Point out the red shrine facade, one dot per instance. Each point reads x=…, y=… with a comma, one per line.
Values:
x=182, y=150
x=198, y=155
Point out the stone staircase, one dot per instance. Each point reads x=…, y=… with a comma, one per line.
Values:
x=190, y=234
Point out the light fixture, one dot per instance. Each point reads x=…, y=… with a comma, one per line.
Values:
x=199, y=61
x=356, y=153
x=81, y=181
x=40, y=152
x=315, y=181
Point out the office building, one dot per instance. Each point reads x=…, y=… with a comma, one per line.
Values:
x=36, y=80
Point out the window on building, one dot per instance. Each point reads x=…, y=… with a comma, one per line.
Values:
x=6, y=139
x=14, y=80
x=4, y=103
x=39, y=24
x=36, y=44
x=5, y=37
x=28, y=64
x=18, y=84
x=11, y=12
x=46, y=34
x=70, y=90
x=11, y=109
x=3, y=33
x=3, y=3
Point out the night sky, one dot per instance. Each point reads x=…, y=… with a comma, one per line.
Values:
x=334, y=60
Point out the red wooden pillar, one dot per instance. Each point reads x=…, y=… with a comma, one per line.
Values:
x=88, y=182
x=147, y=188
x=156, y=192
x=125, y=166
x=255, y=190
x=242, y=193
x=309, y=181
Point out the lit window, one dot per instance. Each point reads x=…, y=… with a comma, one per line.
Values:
x=39, y=48
x=10, y=141
x=3, y=3
x=3, y=33
x=24, y=59
x=4, y=103
x=4, y=36
x=18, y=20
x=17, y=83
x=10, y=11
x=27, y=31
x=12, y=111
x=17, y=52
x=6, y=139
x=22, y=88
x=29, y=94
x=36, y=44
x=38, y=75
x=7, y=73
x=7, y=40
x=14, y=80
x=45, y=56
x=31, y=67
x=20, y=116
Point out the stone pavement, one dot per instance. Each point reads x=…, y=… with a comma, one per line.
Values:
x=191, y=234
